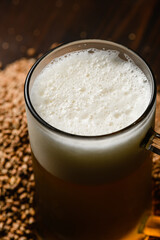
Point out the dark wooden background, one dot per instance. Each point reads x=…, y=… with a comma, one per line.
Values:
x=30, y=27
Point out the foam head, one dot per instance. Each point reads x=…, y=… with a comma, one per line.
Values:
x=91, y=92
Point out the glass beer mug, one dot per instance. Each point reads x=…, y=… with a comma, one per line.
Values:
x=93, y=187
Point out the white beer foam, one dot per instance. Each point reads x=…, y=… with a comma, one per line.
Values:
x=91, y=92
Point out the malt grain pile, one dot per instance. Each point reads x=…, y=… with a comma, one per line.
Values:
x=16, y=174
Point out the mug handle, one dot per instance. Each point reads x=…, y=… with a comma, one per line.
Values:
x=151, y=225
x=150, y=228
x=152, y=141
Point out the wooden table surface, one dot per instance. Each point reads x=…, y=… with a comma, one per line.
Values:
x=28, y=28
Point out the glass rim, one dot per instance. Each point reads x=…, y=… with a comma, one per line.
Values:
x=76, y=136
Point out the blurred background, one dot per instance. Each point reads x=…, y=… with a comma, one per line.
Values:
x=29, y=28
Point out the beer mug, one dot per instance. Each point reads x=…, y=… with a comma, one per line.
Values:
x=93, y=187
